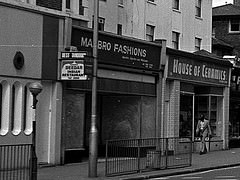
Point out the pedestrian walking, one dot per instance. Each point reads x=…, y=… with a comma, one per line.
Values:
x=203, y=130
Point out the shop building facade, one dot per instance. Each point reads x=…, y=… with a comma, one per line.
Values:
x=193, y=85
x=128, y=93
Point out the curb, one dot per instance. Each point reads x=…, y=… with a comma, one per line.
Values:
x=181, y=172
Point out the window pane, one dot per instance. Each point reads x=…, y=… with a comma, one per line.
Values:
x=149, y=32
x=198, y=8
x=67, y=4
x=197, y=44
x=119, y=29
x=176, y=4
x=235, y=25
x=175, y=40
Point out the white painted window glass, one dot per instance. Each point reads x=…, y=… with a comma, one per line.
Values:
x=5, y=116
x=17, y=109
x=28, y=114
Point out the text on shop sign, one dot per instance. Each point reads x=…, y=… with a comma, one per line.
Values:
x=197, y=70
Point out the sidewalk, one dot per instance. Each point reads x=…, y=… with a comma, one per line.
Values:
x=215, y=159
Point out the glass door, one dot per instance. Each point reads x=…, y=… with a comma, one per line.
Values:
x=186, y=114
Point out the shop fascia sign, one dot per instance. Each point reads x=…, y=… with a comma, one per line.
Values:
x=199, y=71
x=75, y=66
x=115, y=50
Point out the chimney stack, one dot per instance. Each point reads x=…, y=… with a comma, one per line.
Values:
x=236, y=2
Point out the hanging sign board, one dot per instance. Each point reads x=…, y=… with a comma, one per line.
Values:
x=74, y=66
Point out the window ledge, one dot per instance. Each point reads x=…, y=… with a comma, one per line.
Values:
x=153, y=3
x=176, y=10
x=200, y=18
x=120, y=5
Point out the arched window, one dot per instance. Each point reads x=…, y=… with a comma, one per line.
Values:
x=17, y=108
x=28, y=112
x=5, y=110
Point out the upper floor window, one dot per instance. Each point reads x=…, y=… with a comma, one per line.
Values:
x=175, y=40
x=234, y=25
x=197, y=44
x=198, y=6
x=68, y=4
x=119, y=29
x=149, y=32
x=101, y=22
x=175, y=4
x=213, y=31
x=120, y=2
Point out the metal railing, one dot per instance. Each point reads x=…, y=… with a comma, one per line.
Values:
x=15, y=162
x=138, y=155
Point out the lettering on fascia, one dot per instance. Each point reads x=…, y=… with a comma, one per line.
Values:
x=114, y=47
x=182, y=68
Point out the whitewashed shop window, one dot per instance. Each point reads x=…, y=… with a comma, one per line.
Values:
x=28, y=111
x=5, y=104
x=17, y=109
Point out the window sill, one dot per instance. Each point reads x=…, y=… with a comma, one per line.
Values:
x=200, y=18
x=120, y=5
x=153, y=3
x=176, y=10
x=234, y=32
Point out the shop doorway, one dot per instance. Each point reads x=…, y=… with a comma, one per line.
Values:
x=186, y=115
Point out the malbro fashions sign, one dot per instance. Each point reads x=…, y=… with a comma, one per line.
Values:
x=197, y=71
x=116, y=50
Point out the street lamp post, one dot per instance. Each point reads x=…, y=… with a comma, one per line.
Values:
x=93, y=134
x=35, y=88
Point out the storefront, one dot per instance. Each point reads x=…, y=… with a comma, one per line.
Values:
x=234, y=109
x=194, y=85
x=127, y=95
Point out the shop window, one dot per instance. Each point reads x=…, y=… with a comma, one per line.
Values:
x=211, y=107
x=28, y=111
x=186, y=115
x=17, y=99
x=5, y=116
x=175, y=4
x=175, y=40
x=198, y=4
x=197, y=44
x=234, y=118
x=149, y=32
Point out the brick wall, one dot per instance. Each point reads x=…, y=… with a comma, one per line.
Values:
x=173, y=121
x=51, y=4
x=236, y=2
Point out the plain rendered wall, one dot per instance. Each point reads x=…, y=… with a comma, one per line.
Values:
x=14, y=36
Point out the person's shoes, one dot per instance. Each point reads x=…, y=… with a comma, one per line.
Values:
x=202, y=152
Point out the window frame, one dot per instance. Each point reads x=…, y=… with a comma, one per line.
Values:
x=231, y=24
x=119, y=29
x=150, y=32
x=198, y=42
x=176, y=5
x=175, y=41
x=198, y=8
